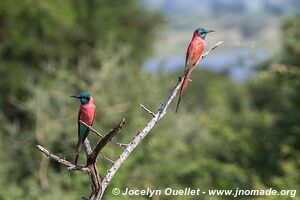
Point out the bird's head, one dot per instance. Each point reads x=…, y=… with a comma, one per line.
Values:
x=83, y=97
x=201, y=32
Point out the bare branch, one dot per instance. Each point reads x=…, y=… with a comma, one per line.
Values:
x=91, y=128
x=138, y=138
x=146, y=109
x=55, y=157
x=67, y=163
x=92, y=158
x=140, y=135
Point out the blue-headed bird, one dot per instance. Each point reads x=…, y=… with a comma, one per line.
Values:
x=193, y=56
x=87, y=113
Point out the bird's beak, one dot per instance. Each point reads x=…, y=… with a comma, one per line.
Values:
x=77, y=97
x=209, y=31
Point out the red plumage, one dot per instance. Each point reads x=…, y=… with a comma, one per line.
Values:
x=193, y=56
x=87, y=114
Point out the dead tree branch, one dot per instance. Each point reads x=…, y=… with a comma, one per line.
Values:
x=90, y=167
x=67, y=163
x=140, y=135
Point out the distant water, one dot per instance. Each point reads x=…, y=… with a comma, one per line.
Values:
x=238, y=62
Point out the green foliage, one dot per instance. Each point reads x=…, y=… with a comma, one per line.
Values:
x=226, y=135
x=291, y=42
x=34, y=34
x=66, y=30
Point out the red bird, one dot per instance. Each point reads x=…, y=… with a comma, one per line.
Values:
x=87, y=113
x=193, y=56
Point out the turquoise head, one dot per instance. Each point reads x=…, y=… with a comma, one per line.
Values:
x=202, y=32
x=83, y=97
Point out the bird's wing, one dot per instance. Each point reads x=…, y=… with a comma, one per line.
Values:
x=193, y=54
x=94, y=116
x=87, y=130
x=82, y=129
x=79, y=113
x=189, y=53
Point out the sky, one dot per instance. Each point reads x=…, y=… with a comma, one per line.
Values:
x=247, y=28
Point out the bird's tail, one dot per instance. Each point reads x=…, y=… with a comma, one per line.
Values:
x=183, y=88
x=78, y=147
x=178, y=104
x=76, y=159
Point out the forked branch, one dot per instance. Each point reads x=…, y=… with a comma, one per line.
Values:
x=92, y=158
x=90, y=166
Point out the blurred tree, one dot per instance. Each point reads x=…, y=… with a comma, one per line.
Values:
x=226, y=135
x=48, y=51
x=291, y=42
x=276, y=91
x=65, y=32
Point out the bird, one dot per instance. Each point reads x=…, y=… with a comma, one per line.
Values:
x=193, y=56
x=87, y=114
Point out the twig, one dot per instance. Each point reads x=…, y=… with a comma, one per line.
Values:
x=121, y=144
x=110, y=160
x=149, y=111
x=211, y=49
x=91, y=128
